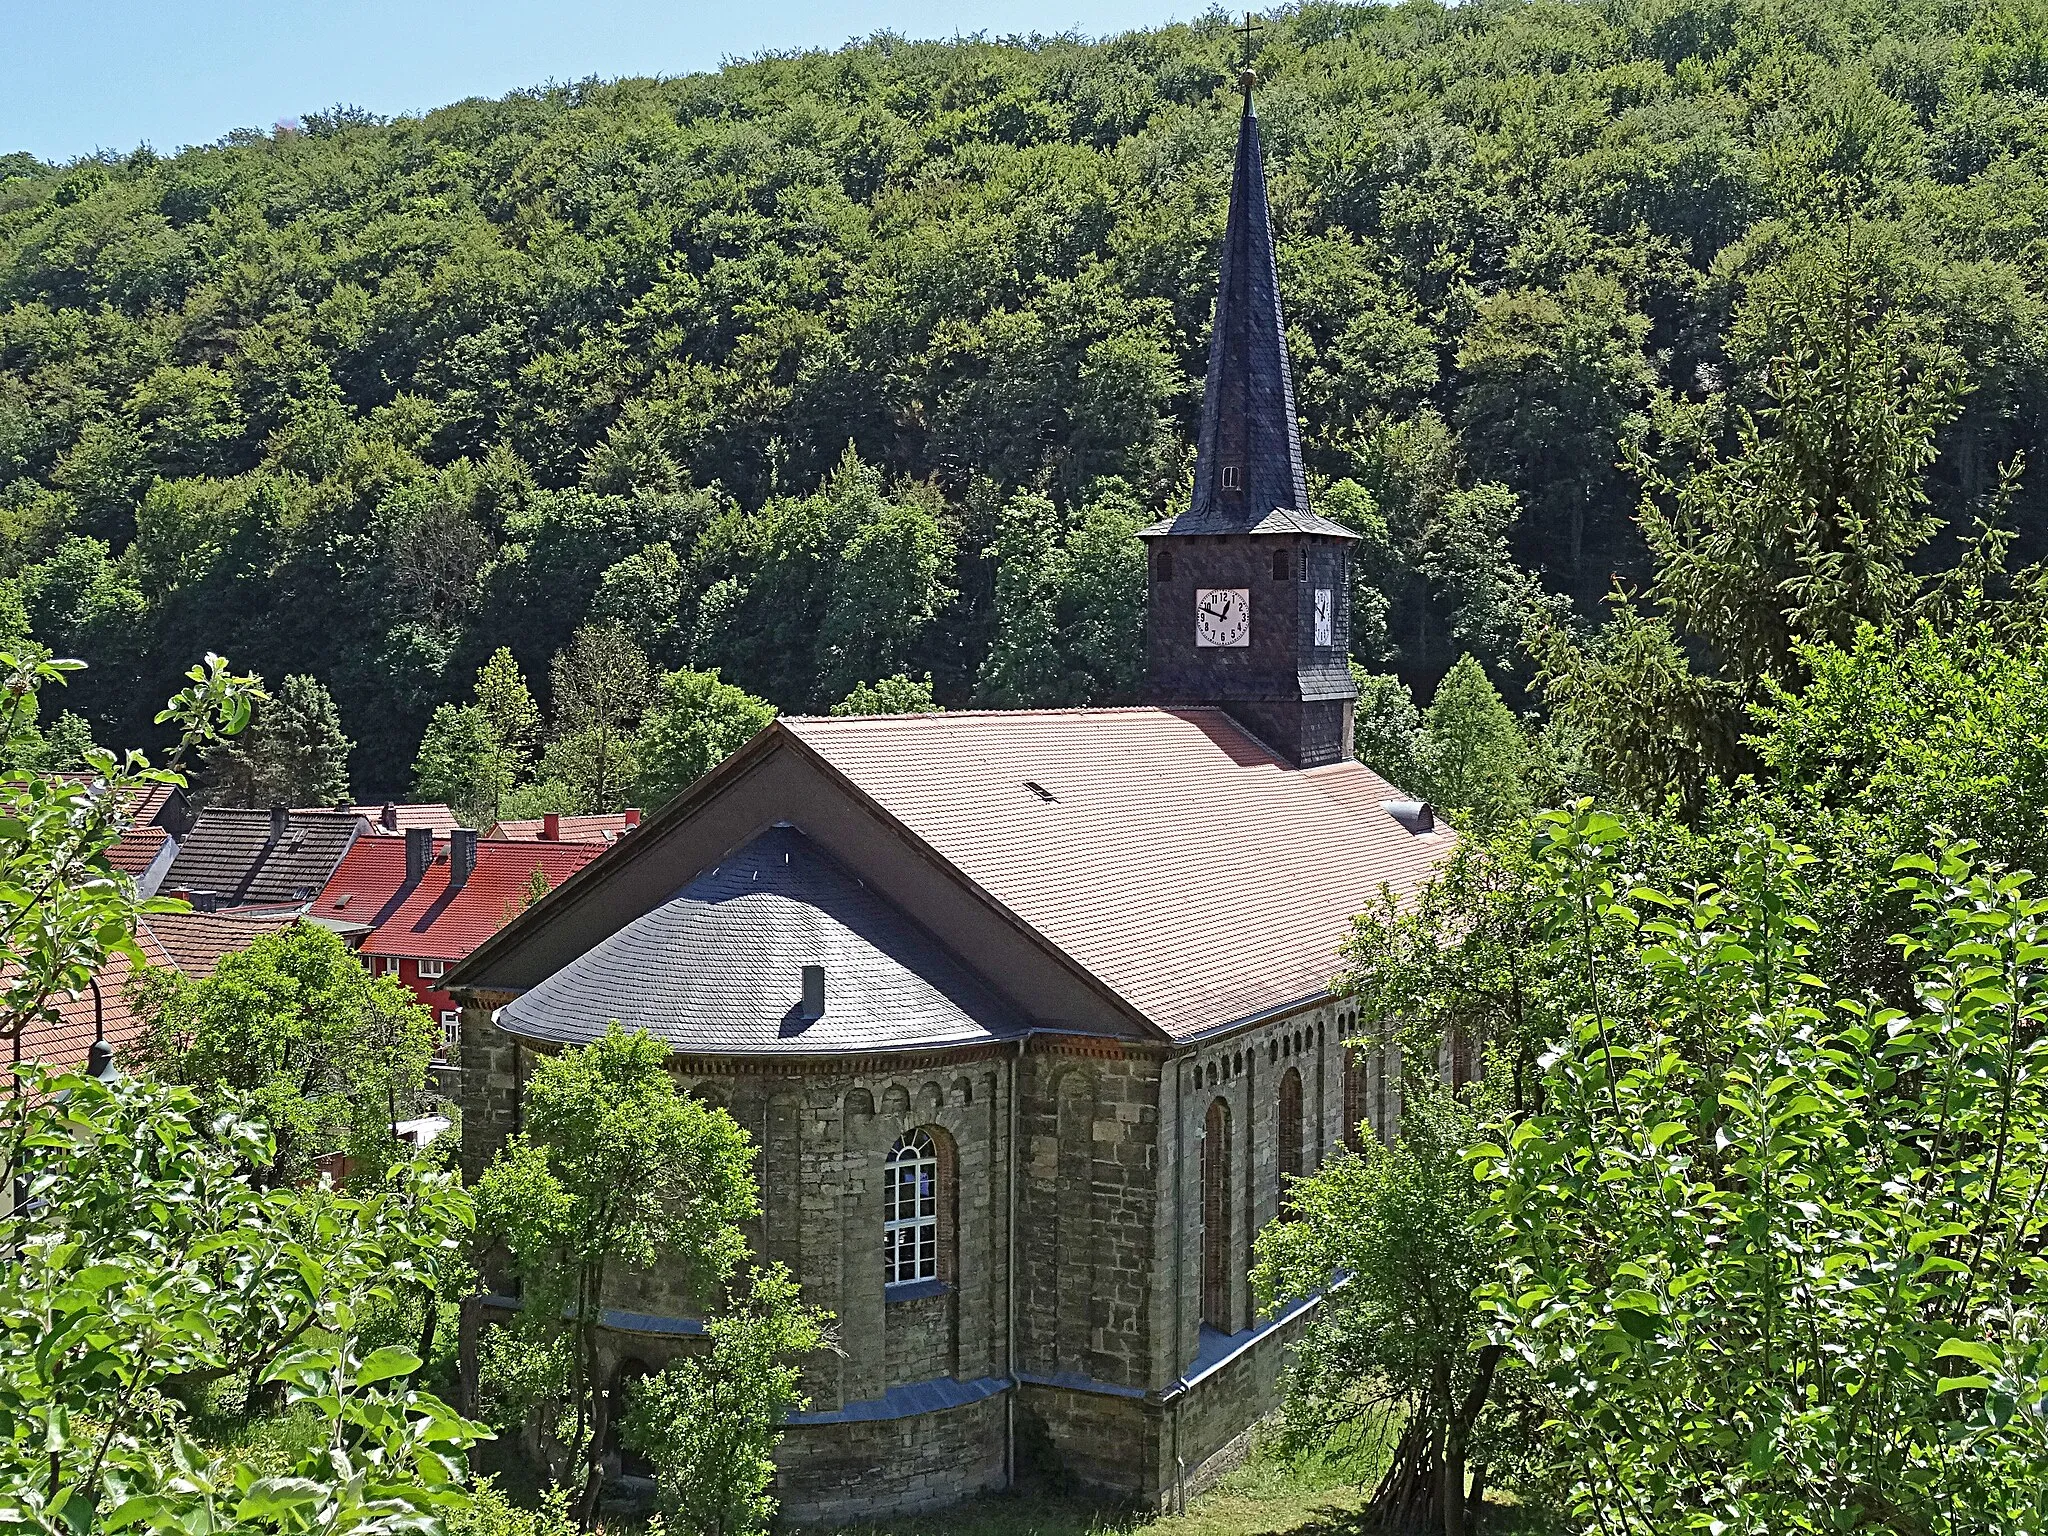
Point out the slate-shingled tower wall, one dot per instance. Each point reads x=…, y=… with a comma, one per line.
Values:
x=1248, y=525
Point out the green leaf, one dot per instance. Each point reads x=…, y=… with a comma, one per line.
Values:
x=1969, y=1349
x=383, y=1364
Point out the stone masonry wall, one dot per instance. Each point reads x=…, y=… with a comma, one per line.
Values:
x=1086, y=1221
x=890, y=1467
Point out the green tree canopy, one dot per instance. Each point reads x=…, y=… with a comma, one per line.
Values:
x=464, y=764
x=898, y=695
x=329, y=1057
x=614, y=1169
x=695, y=723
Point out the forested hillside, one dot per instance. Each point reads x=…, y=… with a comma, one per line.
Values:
x=832, y=367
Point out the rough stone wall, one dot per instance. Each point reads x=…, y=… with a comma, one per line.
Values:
x=890, y=1467
x=1244, y=1071
x=823, y=1138
x=1088, y=1213
x=490, y=1089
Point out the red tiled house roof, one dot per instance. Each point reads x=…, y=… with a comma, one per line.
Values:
x=395, y=819
x=190, y=942
x=137, y=849
x=426, y=918
x=605, y=828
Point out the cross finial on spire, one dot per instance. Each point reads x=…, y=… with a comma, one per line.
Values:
x=1247, y=76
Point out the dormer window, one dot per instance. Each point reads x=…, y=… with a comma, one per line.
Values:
x=1233, y=478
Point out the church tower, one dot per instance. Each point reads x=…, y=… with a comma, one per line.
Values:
x=1250, y=605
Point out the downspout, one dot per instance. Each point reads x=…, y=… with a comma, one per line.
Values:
x=1010, y=1285
x=1180, y=1227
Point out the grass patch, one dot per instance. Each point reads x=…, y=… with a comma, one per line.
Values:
x=1272, y=1494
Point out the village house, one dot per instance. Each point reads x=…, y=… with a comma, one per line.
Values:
x=416, y=905
x=103, y=1013
x=276, y=858
x=601, y=827
x=1029, y=1013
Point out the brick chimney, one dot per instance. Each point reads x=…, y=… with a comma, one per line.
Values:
x=280, y=818
x=551, y=827
x=632, y=819
x=419, y=852
x=461, y=856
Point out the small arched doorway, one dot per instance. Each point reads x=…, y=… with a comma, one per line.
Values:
x=1216, y=1218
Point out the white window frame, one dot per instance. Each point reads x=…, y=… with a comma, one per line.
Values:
x=910, y=1211
x=451, y=1033
x=390, y=965
x=433, y=970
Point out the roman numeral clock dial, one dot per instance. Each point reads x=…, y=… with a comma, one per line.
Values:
x=1223, y=616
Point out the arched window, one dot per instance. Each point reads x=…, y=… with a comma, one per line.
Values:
x=1289, y=1138
x=910, y=1210
x=1216, y=1218
x=1354, y=1096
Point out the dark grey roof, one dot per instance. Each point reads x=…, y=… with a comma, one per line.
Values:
x=717, y=968
x=230, y=852
x=1248, y=418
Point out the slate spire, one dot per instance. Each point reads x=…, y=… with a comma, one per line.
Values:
x=1248, y=456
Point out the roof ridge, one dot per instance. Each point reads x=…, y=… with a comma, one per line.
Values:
x=1012, y=714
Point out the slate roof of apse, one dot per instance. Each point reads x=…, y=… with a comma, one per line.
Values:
x=229, y=851
x=605, y=828
x=424, y=917
x=1168, y=852
x=1248, y=397
x=718, y=967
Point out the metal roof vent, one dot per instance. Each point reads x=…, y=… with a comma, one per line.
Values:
x=813, y=1004
x=1418, y=816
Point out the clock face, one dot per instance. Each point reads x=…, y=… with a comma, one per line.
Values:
x=1323, y=616
x=1223, y=616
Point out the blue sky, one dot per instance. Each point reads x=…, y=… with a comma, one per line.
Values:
x=76, y=77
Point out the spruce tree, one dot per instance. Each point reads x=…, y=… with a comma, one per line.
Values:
x=300, y=755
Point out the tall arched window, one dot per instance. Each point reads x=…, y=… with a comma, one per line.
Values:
x=910, y=1210
x=1354, y=1096
x=1216, y=1218
x=1289, y=1137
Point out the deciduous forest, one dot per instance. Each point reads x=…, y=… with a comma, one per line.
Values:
x=848, y=366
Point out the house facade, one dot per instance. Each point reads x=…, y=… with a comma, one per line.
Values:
x=415, y=904
x=1028, y=1013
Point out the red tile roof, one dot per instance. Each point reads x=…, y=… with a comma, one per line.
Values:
x=1167, y=851
x=425, y=918
x=405, y=816
x=137, y=849
x=64, y=1040
x=606, y=828
x=195, y=941
x=191, y=942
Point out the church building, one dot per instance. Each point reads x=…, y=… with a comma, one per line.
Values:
x=1028, y=1012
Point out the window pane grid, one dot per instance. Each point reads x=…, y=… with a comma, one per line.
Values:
x=910, y=1211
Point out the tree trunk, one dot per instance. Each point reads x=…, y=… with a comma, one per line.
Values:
x=430, y=1306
